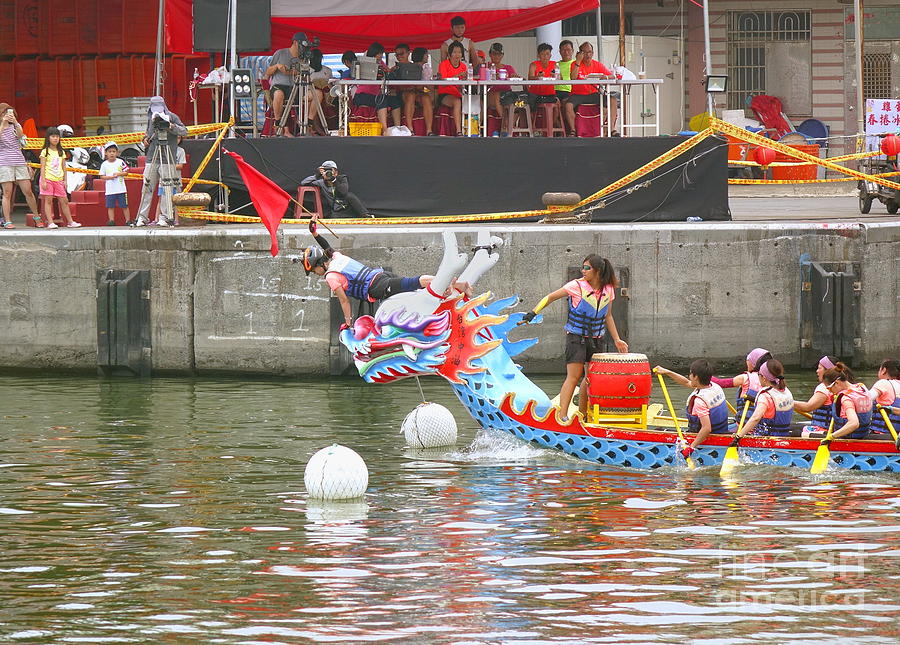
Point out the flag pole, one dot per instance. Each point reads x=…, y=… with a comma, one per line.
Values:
x=160, y=51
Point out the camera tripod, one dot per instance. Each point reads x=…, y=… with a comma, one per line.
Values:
x=300, y=90
x=162, y=166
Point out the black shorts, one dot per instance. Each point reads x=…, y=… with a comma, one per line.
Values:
x=562, y=95
x=579, y=349
x=385, y=284
x=584, y=99
x=286, y=89
x=378, y=101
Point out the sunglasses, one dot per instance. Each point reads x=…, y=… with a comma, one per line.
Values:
x=587, y=267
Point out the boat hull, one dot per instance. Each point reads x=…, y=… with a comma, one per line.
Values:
x=655, y=448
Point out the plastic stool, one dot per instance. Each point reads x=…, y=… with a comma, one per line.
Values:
x=300, y=212
x=587, y=120
x=549, y=114
x=514, y=114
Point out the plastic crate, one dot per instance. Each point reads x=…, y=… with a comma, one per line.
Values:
x=365, y=129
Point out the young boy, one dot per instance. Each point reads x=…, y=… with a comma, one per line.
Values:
x=112, y=171
x=706, y=409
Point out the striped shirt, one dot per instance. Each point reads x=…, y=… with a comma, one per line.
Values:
x=10, y=148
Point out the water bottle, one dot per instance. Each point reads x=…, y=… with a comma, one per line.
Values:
x=427, y=74
x=469, y=73
x=556, y=73
x=694, y=219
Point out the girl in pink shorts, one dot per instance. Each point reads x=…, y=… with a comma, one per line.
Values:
x=53, y=180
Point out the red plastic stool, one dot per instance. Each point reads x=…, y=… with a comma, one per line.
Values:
x=515, y=116
x=587, y=121
x=443, y=122
x=418, y=123
x=363, y=114
x=548, y=118
x=300, y=213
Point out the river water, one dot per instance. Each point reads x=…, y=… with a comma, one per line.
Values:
x=173, y=511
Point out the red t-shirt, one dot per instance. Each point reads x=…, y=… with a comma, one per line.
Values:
x=446, y=70
x=581, y=72
x=543, y=72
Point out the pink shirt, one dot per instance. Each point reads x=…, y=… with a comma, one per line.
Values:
x=574, y=287
x=888, y=391
x=821, y=389
x=700, y=408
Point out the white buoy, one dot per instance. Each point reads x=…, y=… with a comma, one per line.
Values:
x=336, y=472
x=429, y=425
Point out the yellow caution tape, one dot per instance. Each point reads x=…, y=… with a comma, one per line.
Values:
x=382, y=221
x=134, y=175
x=122, y=137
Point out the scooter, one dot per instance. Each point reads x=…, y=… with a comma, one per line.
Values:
x=869, y=191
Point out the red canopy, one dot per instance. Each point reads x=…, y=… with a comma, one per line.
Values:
x=355, y=24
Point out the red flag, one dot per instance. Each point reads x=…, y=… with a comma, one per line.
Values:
x=268, y=198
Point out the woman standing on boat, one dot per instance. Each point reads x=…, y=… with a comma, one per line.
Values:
x=774, y=405
x=747, y=383
x=886, y=393
x=852, y=408
x=590, y=301
x=819, y=404
x=706, y=410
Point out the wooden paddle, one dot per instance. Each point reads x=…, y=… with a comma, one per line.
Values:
x=732, y=458
x=823, y=454
x=681, y=439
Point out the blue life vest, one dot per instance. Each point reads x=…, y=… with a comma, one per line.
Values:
x=740, y=400
x=821, y=416
x=779, y=424
x=358, y=275
x=715, y=399
x=589, y=317
x=878, y=424
x=861, y=404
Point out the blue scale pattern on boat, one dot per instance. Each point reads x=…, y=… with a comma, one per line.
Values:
x=646, y=454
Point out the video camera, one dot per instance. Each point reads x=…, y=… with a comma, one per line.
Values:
x=161, y=122
x=304, y=48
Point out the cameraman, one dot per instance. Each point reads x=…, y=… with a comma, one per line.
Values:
x=160, y=161
x=282, y=69
x=335, y=192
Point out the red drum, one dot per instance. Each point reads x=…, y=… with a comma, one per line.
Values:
x=619, y=383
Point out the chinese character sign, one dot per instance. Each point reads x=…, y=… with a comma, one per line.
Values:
x=882, y=116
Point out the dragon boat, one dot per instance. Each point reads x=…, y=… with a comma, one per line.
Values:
x=437, y=331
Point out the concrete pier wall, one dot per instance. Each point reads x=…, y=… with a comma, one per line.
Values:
x=220, y=302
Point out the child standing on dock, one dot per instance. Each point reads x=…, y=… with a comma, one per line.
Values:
x=53, y=179
x=113, y=171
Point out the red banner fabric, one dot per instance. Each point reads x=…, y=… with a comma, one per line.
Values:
x=269, y=200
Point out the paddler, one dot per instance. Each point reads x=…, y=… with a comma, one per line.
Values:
x=706, y=409
x=852, y=407
x=590, y=301
x=747, y=383
x=819, y=404
x=774, y=405
x=886, y=393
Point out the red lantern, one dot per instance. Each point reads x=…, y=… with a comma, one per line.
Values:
x=890, y=145
x=764, y=156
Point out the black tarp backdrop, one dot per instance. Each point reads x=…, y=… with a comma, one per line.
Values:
x=416, y=176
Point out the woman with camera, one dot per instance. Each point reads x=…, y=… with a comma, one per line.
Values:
x=13, y=168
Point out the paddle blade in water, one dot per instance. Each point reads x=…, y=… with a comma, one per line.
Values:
x=731, y=461
x=820, y=461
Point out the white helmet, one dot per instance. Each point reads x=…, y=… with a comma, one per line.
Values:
x=65, y=130
x=80, y=155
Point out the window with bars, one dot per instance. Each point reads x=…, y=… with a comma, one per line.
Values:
x=769, y=53
x=877, y=76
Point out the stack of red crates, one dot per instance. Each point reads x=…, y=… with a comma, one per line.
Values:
x=60, y=60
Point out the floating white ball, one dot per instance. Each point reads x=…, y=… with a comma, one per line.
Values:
x=336, y=472
x=429, y=425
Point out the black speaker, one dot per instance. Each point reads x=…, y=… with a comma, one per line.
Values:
x=254, y=25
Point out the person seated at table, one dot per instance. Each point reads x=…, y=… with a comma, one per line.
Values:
x=420, y=94
x=453, y=68
x=541, y=69
x=320, y=77
x=457, y=31
x=566, y=60
x=496, y=92
x=586, y=94
x=348, y=58
x=371, y=95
